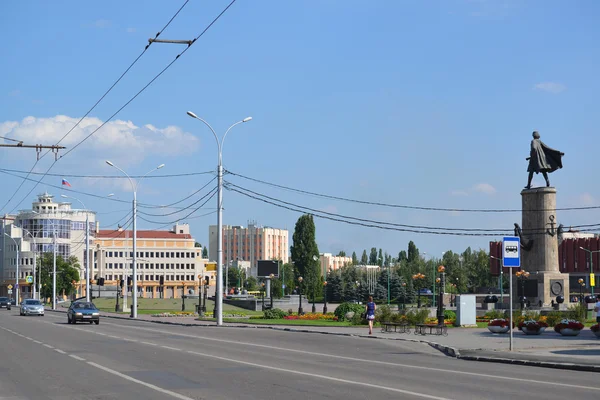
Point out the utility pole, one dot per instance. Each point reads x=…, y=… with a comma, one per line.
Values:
x=38, y=147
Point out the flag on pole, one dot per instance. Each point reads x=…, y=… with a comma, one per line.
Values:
x=66, y=183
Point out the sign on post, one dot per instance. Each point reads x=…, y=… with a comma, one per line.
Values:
x=511, y=258
x=9, y=291
x=29, y=279
x=511, y=252
x=592, y=279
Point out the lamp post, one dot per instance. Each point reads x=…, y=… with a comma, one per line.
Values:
x=53, y=261
x=87, y=246
x=522, y=275
x=418, y=277
x=134, y=187
x=271, y=276
x=262, y=292
x=591, y=252
x=324, y=297
x=219, y=289
x=17, y=288
x=182, y=296
x=34, y=260
x=440, y=280
x=581, y=286
x=501, y=275
x=300, y=312
x=403, y=295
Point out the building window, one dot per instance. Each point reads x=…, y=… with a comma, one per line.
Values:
x=152, y=254
x=147, y=254
x=162, y=266
x=162, y=254
x=168, y=254
x=172, y=254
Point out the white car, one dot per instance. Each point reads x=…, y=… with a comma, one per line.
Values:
x=31, y=307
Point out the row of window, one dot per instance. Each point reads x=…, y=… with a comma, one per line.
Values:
x=151, y=266
x=154, y=277
x=152, y=254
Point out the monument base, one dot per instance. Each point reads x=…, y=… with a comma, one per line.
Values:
x=551, y=285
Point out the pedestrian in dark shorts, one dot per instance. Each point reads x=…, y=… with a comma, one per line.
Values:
x=370, y=311
x=597, y=309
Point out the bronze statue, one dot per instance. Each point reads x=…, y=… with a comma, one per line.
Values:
x=542, y=159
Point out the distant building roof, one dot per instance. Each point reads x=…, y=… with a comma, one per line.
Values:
x=120, y=234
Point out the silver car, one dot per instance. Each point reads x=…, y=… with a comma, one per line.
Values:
x=31, y=307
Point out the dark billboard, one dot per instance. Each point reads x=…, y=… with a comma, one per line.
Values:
x=268, y=267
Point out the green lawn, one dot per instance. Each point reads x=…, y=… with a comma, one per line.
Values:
x=296, y=322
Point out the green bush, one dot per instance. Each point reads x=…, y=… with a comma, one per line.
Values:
x=417, y=317
x=449, y=314
x=554, y=318
x=345, y=308
x=274, y=313
x=495, y=314
x=358, y=320
x=383, y=314
x=577, y=312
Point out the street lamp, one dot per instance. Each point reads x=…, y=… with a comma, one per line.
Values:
x=581, y=286
x=262, y=291
x=87, y=246
x=418, y=277
x=522, y=275
x=17, y=288
x=591, y=252
x=219, y=289
x=403, y=295
x=134, y=186
x=501, y=275
x=324, y=297
x=53, y=260
x=34, y=259
x=271, y=276
x=300, y=312
x=441, y=270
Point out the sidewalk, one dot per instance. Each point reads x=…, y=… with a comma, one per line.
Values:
x=549, y=349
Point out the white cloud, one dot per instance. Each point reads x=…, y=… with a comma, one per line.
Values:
x=131, y=30
x=550, y=87
x=121, y=140
x=587, y=199
x=485, y=188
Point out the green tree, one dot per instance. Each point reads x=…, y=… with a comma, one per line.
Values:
x=354, y=258
x=373, y=256
x=364, y=260
x=305, y=254
x=342, y=253
x=334, y=287
x=380, y=258
x=233, y=276
x=287, y=276
x=67, y=271
x=402, y=256
x=251, y=283
x=197, y=244
x=204, y=252
x=413, y=252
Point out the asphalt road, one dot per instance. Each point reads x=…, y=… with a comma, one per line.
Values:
x=44, y=358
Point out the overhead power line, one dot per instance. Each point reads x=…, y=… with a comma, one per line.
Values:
x=108, y=176
x=212, y=194
x=184, y=208
x=410, y=207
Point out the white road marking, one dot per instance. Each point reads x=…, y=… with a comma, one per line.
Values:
x=327, y=378
x=37, y=341
x=60, y=351
x=76, y=357
x=47, y=345
x=148, y=385
x=363, y=361
x=170, y=348
x=148, y=343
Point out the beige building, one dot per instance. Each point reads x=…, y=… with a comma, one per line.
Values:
x=33, y=231
x=329, y=262
x=167, y=254
x=249, y=244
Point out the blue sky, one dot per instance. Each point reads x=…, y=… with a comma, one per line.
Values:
x=427, y=103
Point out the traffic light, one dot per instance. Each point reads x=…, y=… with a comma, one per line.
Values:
x=128, y=281
x=100, y=281
x=162, y=280
x=206, y=280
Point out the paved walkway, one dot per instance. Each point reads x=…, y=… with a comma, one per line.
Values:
x=546, y=350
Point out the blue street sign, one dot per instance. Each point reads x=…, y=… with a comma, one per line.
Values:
x=511, y=252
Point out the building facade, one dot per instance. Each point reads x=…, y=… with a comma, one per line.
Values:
x=329, y=262
x=47, y=225
x=250, y=243
x=167, y=254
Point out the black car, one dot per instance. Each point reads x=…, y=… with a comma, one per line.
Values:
x=4, y=302
x=83, y=311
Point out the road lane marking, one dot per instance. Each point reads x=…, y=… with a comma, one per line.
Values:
x=37, y=341
x=148, y=385
x=60, y=351
x=323, y=377
x=170, y=348
x=363, y=361
x=47, y=345
x=148, y=343
x=76, y=357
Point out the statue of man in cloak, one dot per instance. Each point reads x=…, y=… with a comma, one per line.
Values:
x=542, y=159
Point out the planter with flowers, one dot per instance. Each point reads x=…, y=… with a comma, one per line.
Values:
x=532, y=327
x=499, y=325
x=596, y=330
x=568, y=327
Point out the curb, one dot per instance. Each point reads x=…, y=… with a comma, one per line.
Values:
x=541, y=364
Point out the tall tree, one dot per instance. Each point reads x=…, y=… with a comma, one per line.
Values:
x=67, y=271
x=364, y=260
x=354, y=258
x=402, y=256
x=305, y=254
x=342, y=253
x=373, y=256
x=380, y=258
x=287, y=276
x=413, y=252
x=204, y=252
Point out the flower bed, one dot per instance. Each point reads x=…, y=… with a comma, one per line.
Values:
x=532, y=327
x=596, y=330
x=312, y=317
x=499, y=325
x=175, y=314
x=568, y=327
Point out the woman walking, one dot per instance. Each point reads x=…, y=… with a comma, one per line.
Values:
x=371, y=307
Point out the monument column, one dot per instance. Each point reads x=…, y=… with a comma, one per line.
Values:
x=539, y=254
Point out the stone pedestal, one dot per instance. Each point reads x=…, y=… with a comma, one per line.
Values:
x=539, y=224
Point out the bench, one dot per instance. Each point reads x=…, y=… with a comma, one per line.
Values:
x=399, y=327
x=431, y=329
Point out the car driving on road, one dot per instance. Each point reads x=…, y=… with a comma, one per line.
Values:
x=83, y=311
x=4, y=302
x=31, y=307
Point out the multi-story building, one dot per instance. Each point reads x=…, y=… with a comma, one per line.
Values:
x=249, y=244
x=38, y=230
x=167, y=254
x=329, y=262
